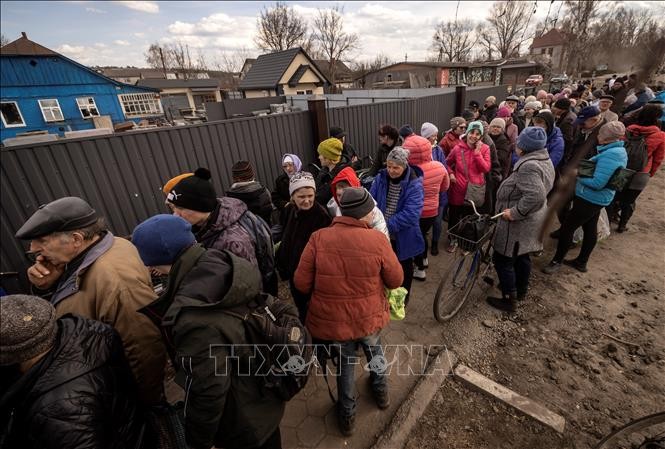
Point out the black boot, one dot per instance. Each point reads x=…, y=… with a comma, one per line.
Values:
x=435, y=248
x=508, y=303
x=555, y=234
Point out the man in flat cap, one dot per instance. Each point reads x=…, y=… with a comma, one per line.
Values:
x=81, y=268
x=604, y=104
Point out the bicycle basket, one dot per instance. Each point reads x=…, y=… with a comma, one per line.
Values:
x=471, y=232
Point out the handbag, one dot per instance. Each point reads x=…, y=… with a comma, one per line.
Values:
x=474, y=192
x=620, y=180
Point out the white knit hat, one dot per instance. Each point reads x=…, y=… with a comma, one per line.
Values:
x=428, y=130
x=300, y=180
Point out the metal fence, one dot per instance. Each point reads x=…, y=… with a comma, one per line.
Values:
x=122, y=175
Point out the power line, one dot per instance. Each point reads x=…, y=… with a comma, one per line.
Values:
x=556, y=19
x=535, y=8
x=456, y=9
x=547, y=17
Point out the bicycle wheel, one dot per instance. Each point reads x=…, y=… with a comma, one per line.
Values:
x=643, y=433
x=456, y=285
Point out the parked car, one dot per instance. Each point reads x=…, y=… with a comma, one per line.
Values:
x=560, y=79
x=534, y=80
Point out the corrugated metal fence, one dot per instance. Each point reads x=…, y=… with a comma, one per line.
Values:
x=122, y=175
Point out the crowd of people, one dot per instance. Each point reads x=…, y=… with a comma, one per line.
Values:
x=84, y=352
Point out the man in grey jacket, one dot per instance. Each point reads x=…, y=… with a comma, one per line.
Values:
x=522, y=198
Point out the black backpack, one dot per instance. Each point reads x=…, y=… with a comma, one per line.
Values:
x=283, y=341
x=263, y=245
x=636, y=149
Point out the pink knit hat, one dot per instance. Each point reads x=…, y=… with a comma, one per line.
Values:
x=504, y=112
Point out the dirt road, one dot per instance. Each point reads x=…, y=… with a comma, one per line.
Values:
x=558, y=349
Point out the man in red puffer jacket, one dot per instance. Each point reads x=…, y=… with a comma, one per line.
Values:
x=435, y=180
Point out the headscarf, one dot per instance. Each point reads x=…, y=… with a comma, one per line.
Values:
x=297, y=163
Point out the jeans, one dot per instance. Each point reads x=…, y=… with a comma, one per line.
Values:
x=513, y=273
x=301, y=300
x=407, y=269
x=438, y=225
x=371, y=346
x=583, y=214
x=425, y=226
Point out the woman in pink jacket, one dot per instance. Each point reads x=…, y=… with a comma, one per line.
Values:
x=435, y=181
x=476, y=154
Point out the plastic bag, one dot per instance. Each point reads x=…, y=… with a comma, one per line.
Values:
x=603, y=229
x=396, y=298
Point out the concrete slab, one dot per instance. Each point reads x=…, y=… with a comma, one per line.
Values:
x=508, y=396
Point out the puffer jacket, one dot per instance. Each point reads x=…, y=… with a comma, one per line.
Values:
x=435, y=175
x=81, y=395
x=224, y=406
x=610, y=157
x=403, y=226
x=477, y=163
x=448, y=142
x=346, y=268
x=256, y=198
x=525, y=194
x=655, y=140
x=224, y=231
x=502, y=145
x=555, y=146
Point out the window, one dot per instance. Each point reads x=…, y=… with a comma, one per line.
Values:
x=300, y=92
x=542, y=51
x=136, y=105
x=51, y=110
x=550, y=51
x=87, y=107
x=308, y=92
x=11, y=114
x=204, y=98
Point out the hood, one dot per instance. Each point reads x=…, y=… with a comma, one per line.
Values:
x=246, y=187
x=549, y=121
x=229, y=212
x=643, y=130
x=556, y=132
x=609, y=146
x=348, y=175
x=297, y=163
x=420, y=149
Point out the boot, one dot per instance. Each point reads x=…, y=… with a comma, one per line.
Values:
x=347, y=424
x=555, y=234
x=575, y=263
x=507, y=303
x=382, y=398
x=435, y=248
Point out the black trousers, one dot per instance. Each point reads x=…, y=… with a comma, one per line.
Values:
x=624, y=205
x=456, y=213
x=513, y=273
x=583, y=214
x=407, y=269
x=425, y=225
x=301, y=300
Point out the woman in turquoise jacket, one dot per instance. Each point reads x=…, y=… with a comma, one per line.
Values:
x=591, y=196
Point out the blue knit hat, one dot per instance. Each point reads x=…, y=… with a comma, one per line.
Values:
x=160, y=239
x=532, y=138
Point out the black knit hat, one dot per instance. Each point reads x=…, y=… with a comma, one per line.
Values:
x=356, y=202
x=242, y=171
x=194, y=192
x=562, y=103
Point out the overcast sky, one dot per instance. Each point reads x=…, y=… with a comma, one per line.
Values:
x=119, y=32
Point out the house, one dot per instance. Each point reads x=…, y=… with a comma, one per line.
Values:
x=249, y=62
x=179, y=97
x=288, y=72
x=343, y=74
x=42, y=90
x=550, y=49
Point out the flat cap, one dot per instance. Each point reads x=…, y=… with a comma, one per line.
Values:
x=512, y=98
x=65, y=214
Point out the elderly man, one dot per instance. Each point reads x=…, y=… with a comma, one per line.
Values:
x=604, y=104
x=489, y=111
x=83, y=269
x=512, y=102
x=531, y=108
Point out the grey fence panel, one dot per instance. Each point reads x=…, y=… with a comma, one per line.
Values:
x=122, y=175
x=480, y=93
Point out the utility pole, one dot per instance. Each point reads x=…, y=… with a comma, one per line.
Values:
x=161, y=55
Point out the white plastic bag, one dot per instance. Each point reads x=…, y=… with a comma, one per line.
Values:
x=603, y=228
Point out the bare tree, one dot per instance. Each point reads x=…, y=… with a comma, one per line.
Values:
x=232, y=61
x=580, y=15
x=3, y=40
x=280, y=28
x=508, y=21
x=362, y=68
x=485, y=42
x=176, y=57
x=158, y=57
x=453, y=40
x=332, y=40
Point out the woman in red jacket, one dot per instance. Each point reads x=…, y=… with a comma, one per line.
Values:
x=468, y=162
x=435, y=180
x=646, y=126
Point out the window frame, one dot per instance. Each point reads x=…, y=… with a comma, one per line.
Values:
x=23, y=124
x=50, y=109
x=129, y=115
x=88, y=105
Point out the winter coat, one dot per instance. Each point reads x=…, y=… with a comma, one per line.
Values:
x=493, y=178
x=518, y=121
x=403, y=226
x=566, y=123
x=438, y=155
x=110, y=285
x=223, y=230
x=280, y=194
x=490, y=112
x=80, y=395
x=642, y=99
x=655, y=140
x=298, y=226
x=380, y=158
x=610, y=116
x=435, y=175
x=502, y=145
x=584, y=144
x=555, y=146
x=610, y=157
x=525, y=194
x=477, y=163
x=512, y=132
x=448, y=142
x=348, y=175
x=347, y=268
x=323, y=180
x=256, y=198
x=222, y=408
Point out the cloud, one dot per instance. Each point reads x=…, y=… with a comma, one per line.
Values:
x=95, y=10
x=217, y=31
x=139, y=35
x=104, y=55
x=149, y=7
x=72, y=51
x=121, y=42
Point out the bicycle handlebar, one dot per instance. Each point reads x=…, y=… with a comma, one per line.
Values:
x=475, y=211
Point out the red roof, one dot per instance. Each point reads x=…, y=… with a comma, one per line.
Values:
x=550, y=39
x=25, y=47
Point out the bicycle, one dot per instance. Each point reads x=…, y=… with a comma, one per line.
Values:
x=473, y=259
x=647, y=432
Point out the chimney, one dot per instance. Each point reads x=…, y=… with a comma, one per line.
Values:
x=24, y=35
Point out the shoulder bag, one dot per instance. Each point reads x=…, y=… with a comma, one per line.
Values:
x=474, y=192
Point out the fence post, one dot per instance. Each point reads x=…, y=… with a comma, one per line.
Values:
x=460, y=99
x=319, y=117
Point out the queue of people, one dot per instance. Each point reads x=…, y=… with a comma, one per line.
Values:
x=339, y=247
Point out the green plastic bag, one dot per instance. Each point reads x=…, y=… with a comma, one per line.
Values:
x=396, y=298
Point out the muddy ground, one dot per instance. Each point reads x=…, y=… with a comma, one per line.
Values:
x=558, y=348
